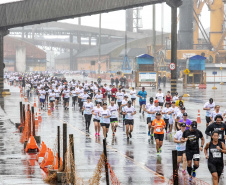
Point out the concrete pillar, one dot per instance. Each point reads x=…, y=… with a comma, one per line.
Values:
x=71, y=52
x=21, y=59
x=2, y=34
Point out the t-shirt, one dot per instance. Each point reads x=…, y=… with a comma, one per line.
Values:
x=160, y=124
x=88, y=108
x=175, y=98
x=160, y=97
x=143, y=95
x=166, y=111
x=114, y=111
x=66, y=93
x=104, y=113
x=147, y=107
x=154, y=109
x=179, y=103
x=211, y=106
x=180, y=146
x=42, y=94
x=57, y=92
x=214, y=114
x=188, y=123
x=129, y=111
x=119, y=96
x=84, y=97
x=52, y=96
x=133, y=93
x=113, y=92
x=99, y=97
x=193, y=139
x=97, y=110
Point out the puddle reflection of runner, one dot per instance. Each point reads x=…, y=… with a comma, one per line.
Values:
x=159, y=170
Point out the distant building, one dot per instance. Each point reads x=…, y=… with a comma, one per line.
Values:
x=35, y=58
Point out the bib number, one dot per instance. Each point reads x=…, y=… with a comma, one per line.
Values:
x=158, y=130
x=217, y=155
x=114, y=113
x=220, y=136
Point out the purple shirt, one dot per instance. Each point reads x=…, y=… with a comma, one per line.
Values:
x=188, y=122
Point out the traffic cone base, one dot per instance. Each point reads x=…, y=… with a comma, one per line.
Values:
x=31, y=145
x=42, y=151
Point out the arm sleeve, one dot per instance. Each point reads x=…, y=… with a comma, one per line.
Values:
x=208, y=129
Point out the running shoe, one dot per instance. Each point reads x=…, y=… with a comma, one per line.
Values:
x=157, y=153
x=113, y=134
x=193, y=173
x=115, y=129
x=127, y=138
x=130, y=135
x=160, y=150
x=149, y=133
x=184, y=172
x=152, y=137
x=98, y=134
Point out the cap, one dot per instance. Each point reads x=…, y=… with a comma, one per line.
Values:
x=176, y=93
x=104, y=103
x=126, y=96
x=88, y=98
x=182, y=108
x=180, y=96
x=211, y=100
x=183, y=124
x=158, y=114
x=173, y=102
x=129, y=102
x=185, y=114
x=167, y=102
x=194, y=125
x=156, y=101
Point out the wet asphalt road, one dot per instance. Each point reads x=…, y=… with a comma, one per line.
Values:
x=134, y=162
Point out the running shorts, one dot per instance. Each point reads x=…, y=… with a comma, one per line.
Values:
x=57, y=98
x=161, y=104
x=133, y=99
x=113, y=120
x=129, y=122
x=180, y=153
x=42, y=100
x=208, y=120
x=149, y=120
x=107, y=125
x=96, y=120
x=192, y=154
x=66, y=99
x=142, y=103
x=160, y=137
x=216, y=167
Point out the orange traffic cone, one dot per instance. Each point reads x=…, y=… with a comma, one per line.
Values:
x=49, y=111
x=36, y=119
x=198, y=117
x=42, y=151
x=34, y=102
x=25, y=98
x=21, y=95
x=48, y=159
x=31, y=145
x=39, y=116
x=45, y=158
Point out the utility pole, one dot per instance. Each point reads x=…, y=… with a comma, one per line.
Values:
x=174, y=4
x=153, y=33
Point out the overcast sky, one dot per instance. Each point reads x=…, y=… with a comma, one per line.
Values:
x=116, y=20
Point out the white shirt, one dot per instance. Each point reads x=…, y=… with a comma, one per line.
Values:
x=166, y=111
x=147, y=107
x=104, y=113
x=84, y=97
x=42, y=94
x=175, y=98
x=211, y=106
x=66, y=93
x=57, y=92
x=97, y=111
x=214, y=114
x=129, y=111
x=119, y=96
x=160, y=97
x=114, y=111
x=154, y=109
x=88, y=107
x=99, y=97
x=180, y=146
x=52, y=96
x=133, y=93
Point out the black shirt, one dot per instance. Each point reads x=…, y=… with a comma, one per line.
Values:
x=220, y=128
x=215, y=155
x=193, y=139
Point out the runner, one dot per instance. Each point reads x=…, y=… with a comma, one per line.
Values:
x=209, y=107
x=215, y=157
x=166, y=112
x=74, y=96
x=96, y=111
x=218, y=126
x=175, y=98
x=42, y=95
x=108, y=89
x=149, y=121
x=168, y=98
x=160, y=97
x=113, y=93
x=185, y=120
x=119, y=96
x=129, y=111
x=114, y=109
x=66, y=94
x=52, y=96
x=180, y=102
x=159, y=125
x=98, y=98
x=142, y=98
x=191, y=137
x=87, y=108
x=215, y=113
x=133, y=93
x=178, y=116
x=180, y=147
x=57, y=92
x=105, y=115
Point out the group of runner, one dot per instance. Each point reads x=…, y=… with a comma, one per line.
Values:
x=107, y=103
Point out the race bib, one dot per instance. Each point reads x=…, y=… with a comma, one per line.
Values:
x=99, y=100
x=88, y=111
x=220, y=136
x=113, y=94
x=114, y=113
x=158, y=130
x=129, y=115
x=196, y=156
x=216, y=154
